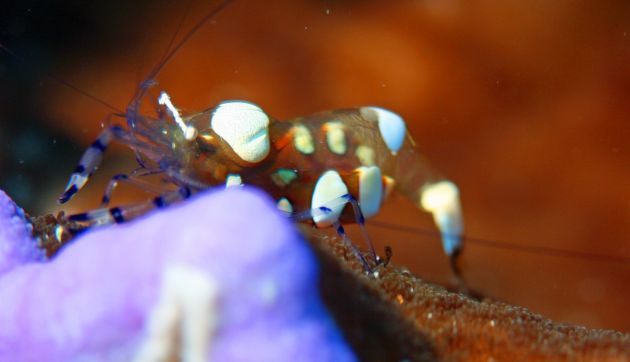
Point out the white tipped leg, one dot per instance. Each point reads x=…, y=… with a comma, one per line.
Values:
x=442, y=200
x=89, y=162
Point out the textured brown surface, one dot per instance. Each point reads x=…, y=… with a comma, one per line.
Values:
x=452, y=325
x=373, y=326
x=45, y=229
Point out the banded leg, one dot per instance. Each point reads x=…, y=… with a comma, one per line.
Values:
x=133, y=180
x=89, y=162
x=342, y=233
x=117, y=215
x=360, y=220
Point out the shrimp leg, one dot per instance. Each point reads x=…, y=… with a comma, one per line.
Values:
x=89, y=162
x=327, y=210
x=133, y=180
x=117, y=215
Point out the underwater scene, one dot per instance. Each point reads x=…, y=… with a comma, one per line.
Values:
x=314, y=180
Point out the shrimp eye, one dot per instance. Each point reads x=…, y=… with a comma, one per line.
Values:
x=245, y=128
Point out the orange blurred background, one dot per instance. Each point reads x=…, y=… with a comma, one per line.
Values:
x=525, y=105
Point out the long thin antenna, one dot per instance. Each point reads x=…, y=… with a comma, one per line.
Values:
x=85, y=93
x=510, y=246
x=169, y=54
x=178, y=29
x=67, y=84
x=149, y=79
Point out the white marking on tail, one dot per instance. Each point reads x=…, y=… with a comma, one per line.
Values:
x=442, y=200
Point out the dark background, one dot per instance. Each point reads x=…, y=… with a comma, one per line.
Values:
x=525, y=105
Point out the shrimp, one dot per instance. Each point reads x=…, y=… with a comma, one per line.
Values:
x=313, y=166
x=317, y=163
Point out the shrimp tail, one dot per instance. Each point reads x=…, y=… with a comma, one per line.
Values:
x=434, y=194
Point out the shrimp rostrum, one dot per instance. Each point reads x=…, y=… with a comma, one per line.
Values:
x=328, y=168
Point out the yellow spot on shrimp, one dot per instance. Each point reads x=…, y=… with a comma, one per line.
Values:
x=335, y=137
x=284, y=205
x=366, y=155
x=303, y=140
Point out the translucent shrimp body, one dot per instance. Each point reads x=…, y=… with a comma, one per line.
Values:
x=315, y=164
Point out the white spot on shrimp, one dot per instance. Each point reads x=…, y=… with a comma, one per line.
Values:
x=233, y=180
x=284, y=205
x=370, y=190
x=391, y=126
x=245, y=127
x=328, y=193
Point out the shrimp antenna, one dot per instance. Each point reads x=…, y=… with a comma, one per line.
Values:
x=511, y=246
x=170, y=53
x=67, y=84
x=178, y=29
